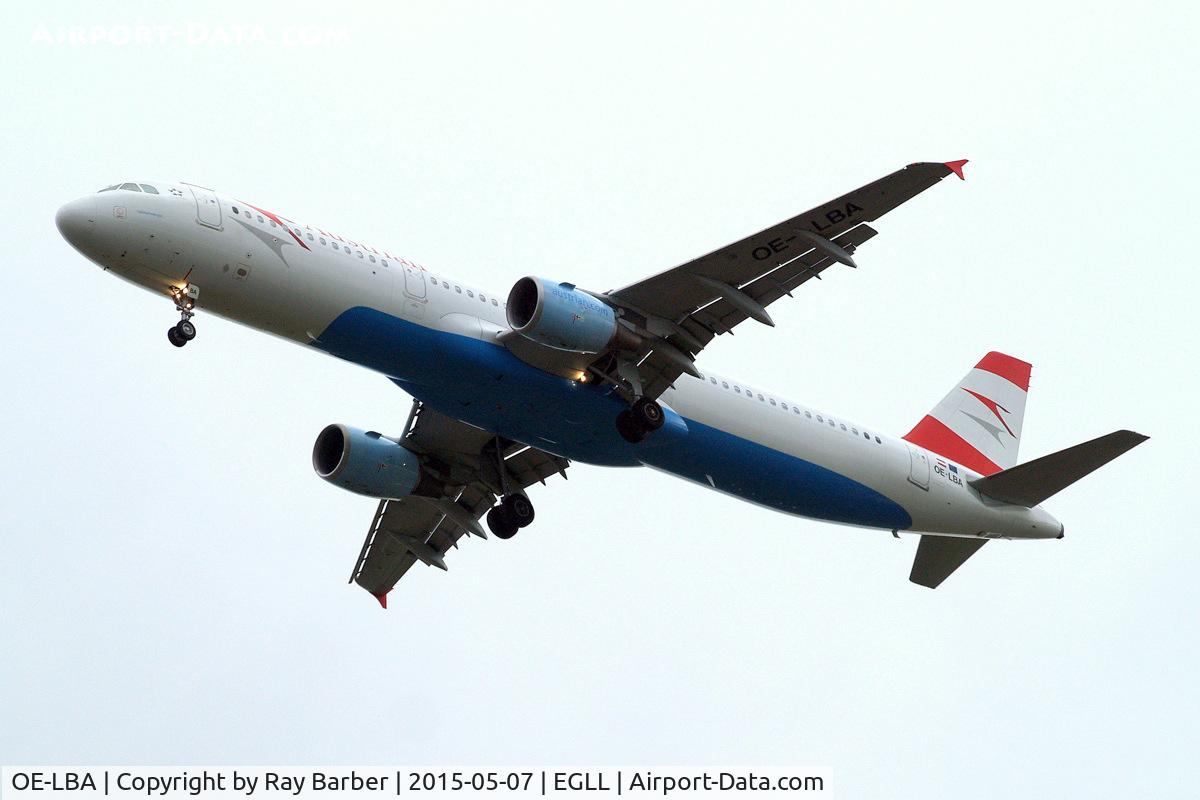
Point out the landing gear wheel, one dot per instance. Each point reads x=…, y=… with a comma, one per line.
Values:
x=519, y=509
x=185, y=300
x=500, y=524
x=648, y=414
x=629, y=429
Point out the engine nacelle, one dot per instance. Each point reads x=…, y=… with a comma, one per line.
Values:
x=560, y=316
x=365, y=462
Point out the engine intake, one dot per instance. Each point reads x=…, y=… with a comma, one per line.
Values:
x=560, y=316
x=367, y=463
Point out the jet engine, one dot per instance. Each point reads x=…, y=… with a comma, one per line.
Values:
x=560, y=316
x=368, y=463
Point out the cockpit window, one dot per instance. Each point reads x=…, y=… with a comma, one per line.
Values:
x=148, y=189
x=133, y=187
x=110, y=187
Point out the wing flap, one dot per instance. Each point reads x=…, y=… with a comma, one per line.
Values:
x=771, y=286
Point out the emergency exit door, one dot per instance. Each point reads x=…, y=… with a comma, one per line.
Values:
x=208, y=208
x=918, y=467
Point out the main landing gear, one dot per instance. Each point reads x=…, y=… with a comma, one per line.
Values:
x=185, y=330
x=514, y=511
x=509, y=515
x=640, y=420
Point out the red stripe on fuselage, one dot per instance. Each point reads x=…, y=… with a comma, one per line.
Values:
x=935, y=436
x=1013, y=370
x=280, y=223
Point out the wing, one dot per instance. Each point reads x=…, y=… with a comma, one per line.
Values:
x=424, y=529
x=681, y=310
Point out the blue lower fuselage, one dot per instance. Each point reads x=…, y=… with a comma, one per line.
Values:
x=485, y=385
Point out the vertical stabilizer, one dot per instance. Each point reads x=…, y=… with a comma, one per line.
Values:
x=979, y=423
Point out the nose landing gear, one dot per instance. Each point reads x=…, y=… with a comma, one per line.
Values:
x=185, y=300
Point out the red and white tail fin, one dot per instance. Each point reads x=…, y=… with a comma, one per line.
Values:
x=979, y=423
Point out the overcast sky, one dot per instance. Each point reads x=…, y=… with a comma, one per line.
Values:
x=173, y=575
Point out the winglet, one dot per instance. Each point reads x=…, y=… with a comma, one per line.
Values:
x=957, y=168
x=382, y=598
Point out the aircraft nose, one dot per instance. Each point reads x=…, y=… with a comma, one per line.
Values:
x=76, y=221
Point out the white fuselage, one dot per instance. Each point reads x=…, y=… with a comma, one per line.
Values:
x=436, y=337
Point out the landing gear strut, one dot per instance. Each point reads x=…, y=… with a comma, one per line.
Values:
x=514, y=511
x=509, y=515
x=185, y=330
x=640, y=420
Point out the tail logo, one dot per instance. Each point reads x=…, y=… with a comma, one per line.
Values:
x=995, y=408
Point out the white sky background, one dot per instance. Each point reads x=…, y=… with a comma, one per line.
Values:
x=172, y=577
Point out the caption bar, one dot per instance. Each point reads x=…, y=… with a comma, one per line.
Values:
x=285, y=783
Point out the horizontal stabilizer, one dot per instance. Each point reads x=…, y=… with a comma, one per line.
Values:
x=938, y=556
x=1030, y=483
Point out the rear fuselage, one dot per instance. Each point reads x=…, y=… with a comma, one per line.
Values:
x=436, y=338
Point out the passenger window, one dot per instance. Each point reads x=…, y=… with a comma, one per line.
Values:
x=310, y=237
x=866, y=436
x=470, y=294
x=148, y=189
x=494, y=302
x=820, y=418
x=795, y=410
x=235, y=209
x=714, y=381
x=382, y=262
x=854, y=431
x=831, y=424
x=346, y=247
x=133, y=187
x=372, y=259
x=458, y=289
x=878, y=440
x=482, y=299
x=360, y=254
x=781, y=405
x=843, y=426
x=273, y=225
x=322, y=240
x=260, y=219
x=808, y=414
x=726, y=385
x=445, y=285
x=736, y=389
x=760, y=397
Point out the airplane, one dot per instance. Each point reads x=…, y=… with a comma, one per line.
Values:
x=507, y=390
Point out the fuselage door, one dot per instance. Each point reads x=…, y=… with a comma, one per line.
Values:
x=918, y=469
x=208, y=208
x=414, y=282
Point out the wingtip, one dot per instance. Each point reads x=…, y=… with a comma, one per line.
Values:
x=382, y=598
x=957, y=168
